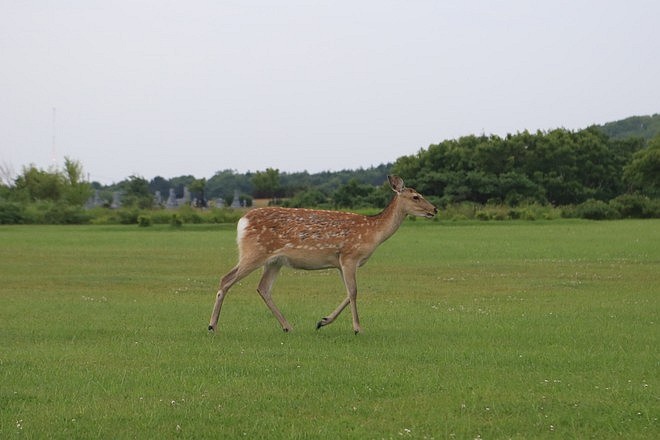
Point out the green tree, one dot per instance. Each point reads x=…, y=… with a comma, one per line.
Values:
x=75, y=191
x=311, y=198
x=181, y=182
x=196, y=188
x=642, y=127
x=352, y=195
x=561, y=167
x=266, y=183
x=224, y=183
x=136, y=193
x=643, y=172
x=161, y=184
x=35, y=184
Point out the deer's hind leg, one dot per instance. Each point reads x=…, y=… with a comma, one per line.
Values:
x=264, y=289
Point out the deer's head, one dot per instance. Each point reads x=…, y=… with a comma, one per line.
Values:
x=412, y=202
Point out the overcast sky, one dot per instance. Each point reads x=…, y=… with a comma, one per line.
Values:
x=192, y=87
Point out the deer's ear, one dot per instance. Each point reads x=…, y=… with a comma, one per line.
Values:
x=396, y=183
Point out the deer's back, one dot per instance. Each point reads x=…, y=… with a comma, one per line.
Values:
x=304, y=224
x=302, y=230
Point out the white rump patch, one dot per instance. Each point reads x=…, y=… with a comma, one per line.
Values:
x=241, y=228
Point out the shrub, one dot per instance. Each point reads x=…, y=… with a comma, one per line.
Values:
x=160, y=216
x=128, y=216
x=634, y=206
x=33, y=214
x=148, y=217
x=535, y=211
x=461, y=211
x=48, y=212
x=225, y=215
x=458, y=218
x=482, y=215
x=189, y=215
x=66, y=215
x=311, y=198
x=653, y=209
x=11, y=213
x=176, y=221
x=498, y=212
x=596, y=210
x=144, y=221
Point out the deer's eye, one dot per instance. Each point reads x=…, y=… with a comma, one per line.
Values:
x=415, y=197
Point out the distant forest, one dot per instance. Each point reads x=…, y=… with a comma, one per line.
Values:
x=645, y=127
x=617, y=162
x=264, y=184
x=558, y=167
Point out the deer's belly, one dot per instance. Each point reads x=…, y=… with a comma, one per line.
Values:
x=304, y=259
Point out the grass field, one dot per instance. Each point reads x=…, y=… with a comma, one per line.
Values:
x=471, y=330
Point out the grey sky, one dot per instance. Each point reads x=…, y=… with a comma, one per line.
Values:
x=192, y=87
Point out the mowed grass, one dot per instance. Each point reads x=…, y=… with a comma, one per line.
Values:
x=471, y=330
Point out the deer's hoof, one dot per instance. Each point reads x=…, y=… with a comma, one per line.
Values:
x=321, y=323
x=211, y=329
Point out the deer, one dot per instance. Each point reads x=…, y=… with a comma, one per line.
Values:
x=313, y=239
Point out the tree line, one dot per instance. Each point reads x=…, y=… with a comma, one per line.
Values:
x=325, y=189
x=604, y=175
x=267, y=184
x=559, y=167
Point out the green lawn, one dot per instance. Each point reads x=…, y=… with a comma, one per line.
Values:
x=470, y=330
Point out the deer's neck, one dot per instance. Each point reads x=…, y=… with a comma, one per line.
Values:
x=388, y=221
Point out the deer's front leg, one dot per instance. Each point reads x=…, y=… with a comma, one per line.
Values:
x=348, y=272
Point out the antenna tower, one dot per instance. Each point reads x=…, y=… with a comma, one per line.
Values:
x=53, y=155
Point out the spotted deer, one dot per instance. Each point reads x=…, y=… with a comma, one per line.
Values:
x=314, y=239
